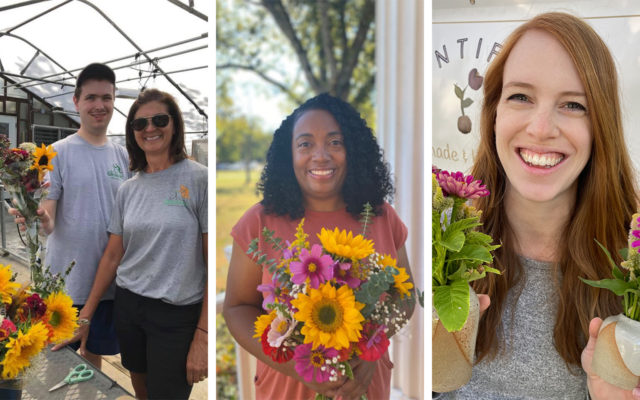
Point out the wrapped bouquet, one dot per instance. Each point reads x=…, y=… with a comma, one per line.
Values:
x=329, y=303
x=21, y=171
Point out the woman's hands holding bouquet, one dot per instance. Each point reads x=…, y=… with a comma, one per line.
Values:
x=599, y=389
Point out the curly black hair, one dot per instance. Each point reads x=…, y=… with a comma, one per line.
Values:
x=367, y=181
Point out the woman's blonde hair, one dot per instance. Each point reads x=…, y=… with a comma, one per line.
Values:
x=605, y=201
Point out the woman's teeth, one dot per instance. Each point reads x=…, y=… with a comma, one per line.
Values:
x=321, y=172
x=541, y=160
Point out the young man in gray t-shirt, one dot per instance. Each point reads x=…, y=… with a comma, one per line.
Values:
x=86, y=175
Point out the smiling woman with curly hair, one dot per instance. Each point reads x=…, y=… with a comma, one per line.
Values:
x=367, y=175
x=323, y=165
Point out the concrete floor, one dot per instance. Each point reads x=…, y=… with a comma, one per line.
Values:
x=14, y=254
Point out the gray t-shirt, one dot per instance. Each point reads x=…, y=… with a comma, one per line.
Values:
x=529, y=367
x=84, y=181
x=161, y=218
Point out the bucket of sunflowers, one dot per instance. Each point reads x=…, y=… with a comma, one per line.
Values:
x=32, y=316
x=616, y=357
x=460, y=254
x=331, y=302
x=39, y=313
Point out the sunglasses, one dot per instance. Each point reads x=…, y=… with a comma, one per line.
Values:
x=159, y=121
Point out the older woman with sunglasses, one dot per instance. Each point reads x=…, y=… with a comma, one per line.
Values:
x=157, y=253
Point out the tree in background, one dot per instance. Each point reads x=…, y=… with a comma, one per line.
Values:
x=329, y=45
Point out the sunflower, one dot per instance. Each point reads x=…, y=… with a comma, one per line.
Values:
x=331, y=316
x=20, y=349
x=262, y=322
x=7, y=287
x=61, y=315
x=388, y=261
x=400, y=283
x=344, y=244
x=42, y=157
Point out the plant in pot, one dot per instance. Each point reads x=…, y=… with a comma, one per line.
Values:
x=616, y=357
x=460, y=254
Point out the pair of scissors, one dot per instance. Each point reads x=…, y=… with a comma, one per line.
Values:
x=78, y=374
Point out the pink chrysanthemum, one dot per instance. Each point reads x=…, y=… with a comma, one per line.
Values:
x=309, y=362
x=457, y=184
x=313, y=265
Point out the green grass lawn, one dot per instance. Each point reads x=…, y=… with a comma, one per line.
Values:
x=233, y=198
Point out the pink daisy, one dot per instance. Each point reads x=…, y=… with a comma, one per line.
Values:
x=313, y=265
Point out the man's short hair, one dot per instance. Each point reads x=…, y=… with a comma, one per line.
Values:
x=95, y=71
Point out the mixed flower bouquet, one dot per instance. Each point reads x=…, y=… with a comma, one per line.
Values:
x=460, y=254
x=21, y=171
x=330, y=302
x=34, y=315
x=31, y=317
x=626, y=279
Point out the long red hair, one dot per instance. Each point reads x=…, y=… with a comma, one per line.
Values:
x=605, y=201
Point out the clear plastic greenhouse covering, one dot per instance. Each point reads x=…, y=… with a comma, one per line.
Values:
x=159, y=44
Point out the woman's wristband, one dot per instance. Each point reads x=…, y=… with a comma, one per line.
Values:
x=203, y=330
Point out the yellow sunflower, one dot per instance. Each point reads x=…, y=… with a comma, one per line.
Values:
x=388, y=261
x=7, y=287
x=42, y=157
x=401, y=283
x=61, y=315
x=262, y=322
x=344, y=244
x=22, y=348
x=331, y=317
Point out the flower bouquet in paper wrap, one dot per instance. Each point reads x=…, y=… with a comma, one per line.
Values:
x=31, y=317
x=22, y=171
x=329, y=303
x=460, y=254
x=616, y=357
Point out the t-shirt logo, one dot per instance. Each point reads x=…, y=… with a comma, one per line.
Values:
x=115, y=172
x=178, y=197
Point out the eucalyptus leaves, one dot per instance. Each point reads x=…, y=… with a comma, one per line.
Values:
x=460, y=254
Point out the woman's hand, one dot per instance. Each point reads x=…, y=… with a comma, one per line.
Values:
x=599, y=389
x=362, y=374
x=197, y=369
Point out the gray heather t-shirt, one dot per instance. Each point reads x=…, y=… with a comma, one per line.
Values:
x=84, y=181
x=530, y=367
x=161, y=217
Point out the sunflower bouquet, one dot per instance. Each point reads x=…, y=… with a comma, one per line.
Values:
x=22, y=171
x=329, y=303
x=31, y=317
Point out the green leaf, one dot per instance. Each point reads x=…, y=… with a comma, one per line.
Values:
x=624, y=253
x=453, y=241
x=467, y=102
x=615, y=285
x=452, y=304
x=459, y=92
x=472, y=252
x=475, y=237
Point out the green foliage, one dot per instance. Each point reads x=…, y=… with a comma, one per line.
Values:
x=226, y=378
x=624, y=283
x=367, y=214
x=459, y=255
x=371, y=290
x=300, y=47
x=452, y=304
x=239, y=139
